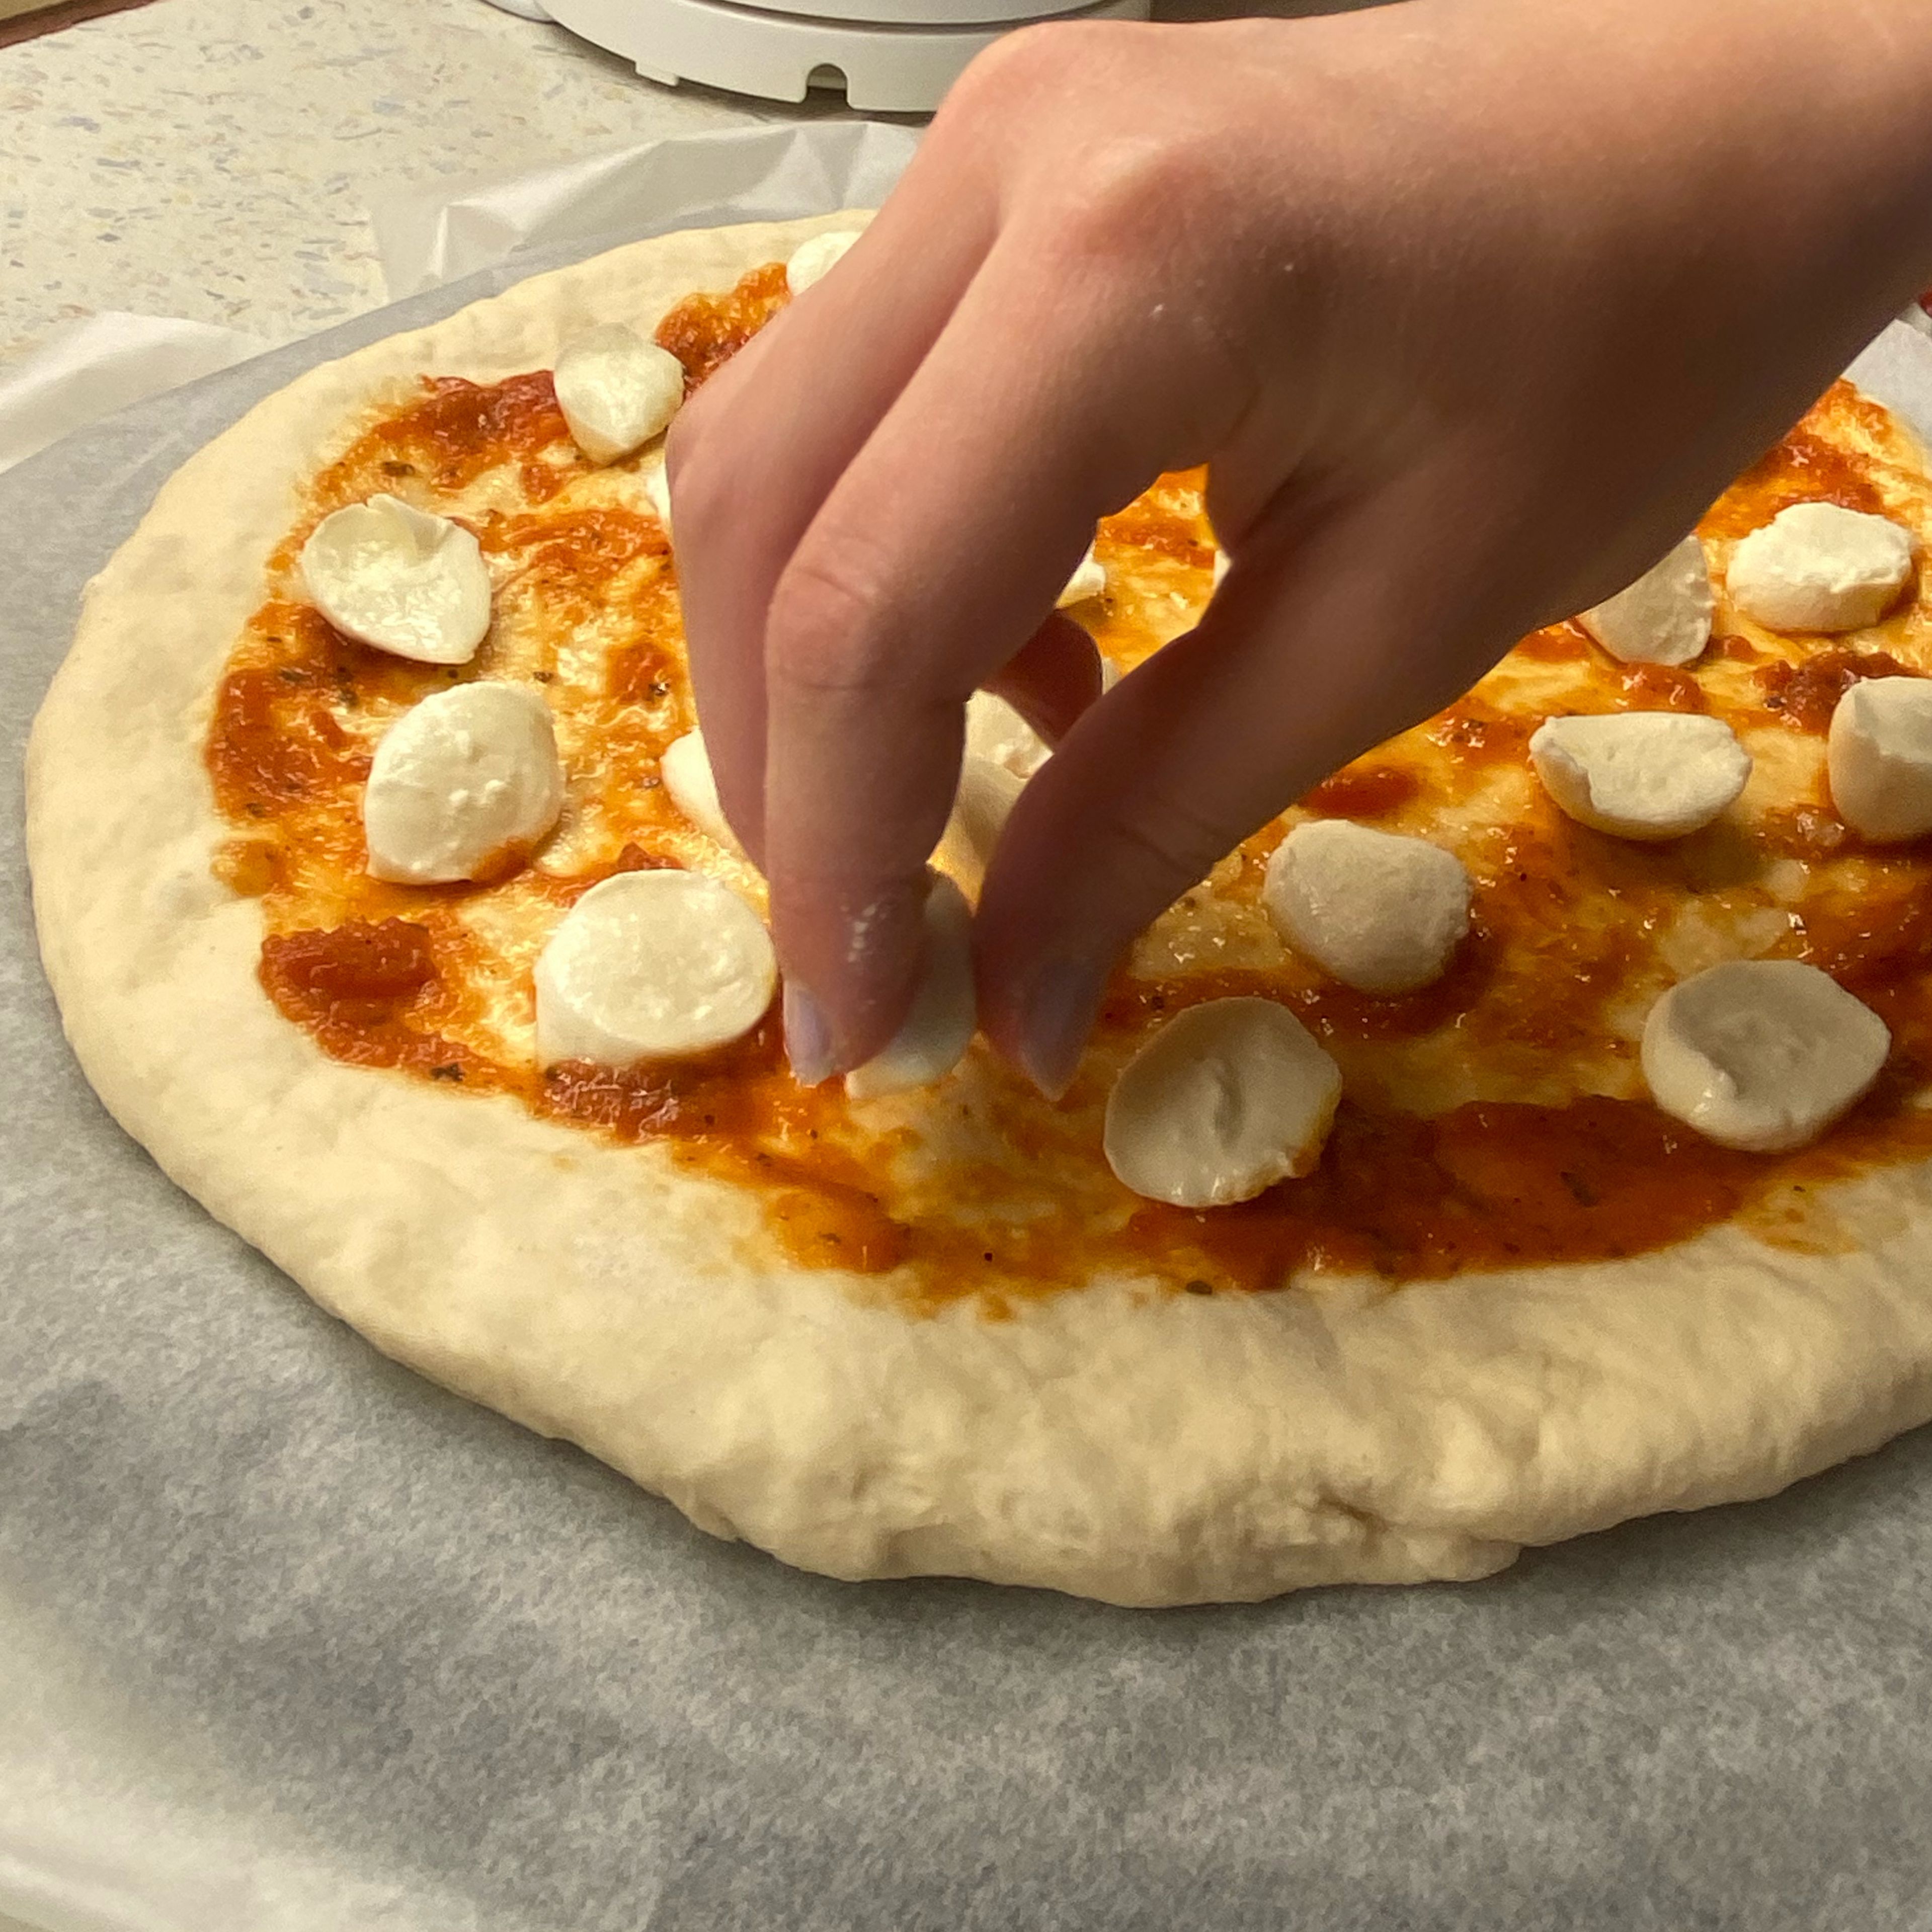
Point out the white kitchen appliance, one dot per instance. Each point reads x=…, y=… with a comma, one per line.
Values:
x=890, y=56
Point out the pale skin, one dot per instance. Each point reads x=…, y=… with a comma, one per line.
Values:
x=1471, y=306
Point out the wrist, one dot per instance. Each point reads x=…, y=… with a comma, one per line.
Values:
x=1802, y=126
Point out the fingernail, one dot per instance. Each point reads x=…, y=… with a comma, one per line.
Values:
x=1058, y=1015
x=808, y=1039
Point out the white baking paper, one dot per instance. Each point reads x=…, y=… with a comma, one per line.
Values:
x=429, y=234
x=88, y=369
x=291, y=1641
x=1897, y=369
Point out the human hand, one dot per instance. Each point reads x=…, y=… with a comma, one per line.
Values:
x=1472, y=305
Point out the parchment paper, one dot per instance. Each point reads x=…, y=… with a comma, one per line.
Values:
x=433, y=232
x=290, y=1639
x=88, y=368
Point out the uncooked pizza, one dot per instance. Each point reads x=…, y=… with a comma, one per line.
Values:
x=1526, y=1131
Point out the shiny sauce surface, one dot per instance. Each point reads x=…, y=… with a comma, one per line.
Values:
x=1495, y=1119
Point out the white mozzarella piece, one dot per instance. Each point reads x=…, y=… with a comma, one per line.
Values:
x=986, y=796
x=1223, y=563
x=461, y=782
x=1819, y=567
x=1647, y=775
x=688, y=777
x=1089, y=579
x=1763, y=1055
x=945, y=1013
x=812, y=261
x=652, y=966
x=996, y=732
x=617, y=391
x=654, y=474
x=1665, y=616
x=1381, y=912
x=1225, y=1099
x=407, y=582
x=1879, y=756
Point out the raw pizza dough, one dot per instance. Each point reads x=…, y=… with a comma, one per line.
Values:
x=1122, y=1442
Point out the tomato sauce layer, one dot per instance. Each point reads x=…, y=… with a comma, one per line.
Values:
x=1495, y=1119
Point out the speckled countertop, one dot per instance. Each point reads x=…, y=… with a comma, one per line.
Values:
x=204, y=159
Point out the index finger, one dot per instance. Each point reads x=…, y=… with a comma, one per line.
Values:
x=1046, y=400
x=753, y=455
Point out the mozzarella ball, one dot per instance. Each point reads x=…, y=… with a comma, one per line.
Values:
x=654, y=474
x=1379, y=912
x=1762, y=1055
x=1643, y=775
x=1880, y=756
x=401, y=579
x=986, y=796
x=1819, y=567
x=1664, y=617
x=996, y=732
x=945, y=1013
x=460, y=783
x=1228, y=1098
x=812, y=261
x=652, y=966
x=617, y=391
x=688, y=777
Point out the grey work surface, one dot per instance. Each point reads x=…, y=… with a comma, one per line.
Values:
x=290, y=1639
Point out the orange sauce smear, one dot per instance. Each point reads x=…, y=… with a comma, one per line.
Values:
x=704, y=331
x=392, y=979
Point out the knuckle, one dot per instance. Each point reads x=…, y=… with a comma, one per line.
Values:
x=829, y=627
x=1125, y=193
x=1162, y=845
x=699, y=468
x=1041, y=77
x=1015, y=63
